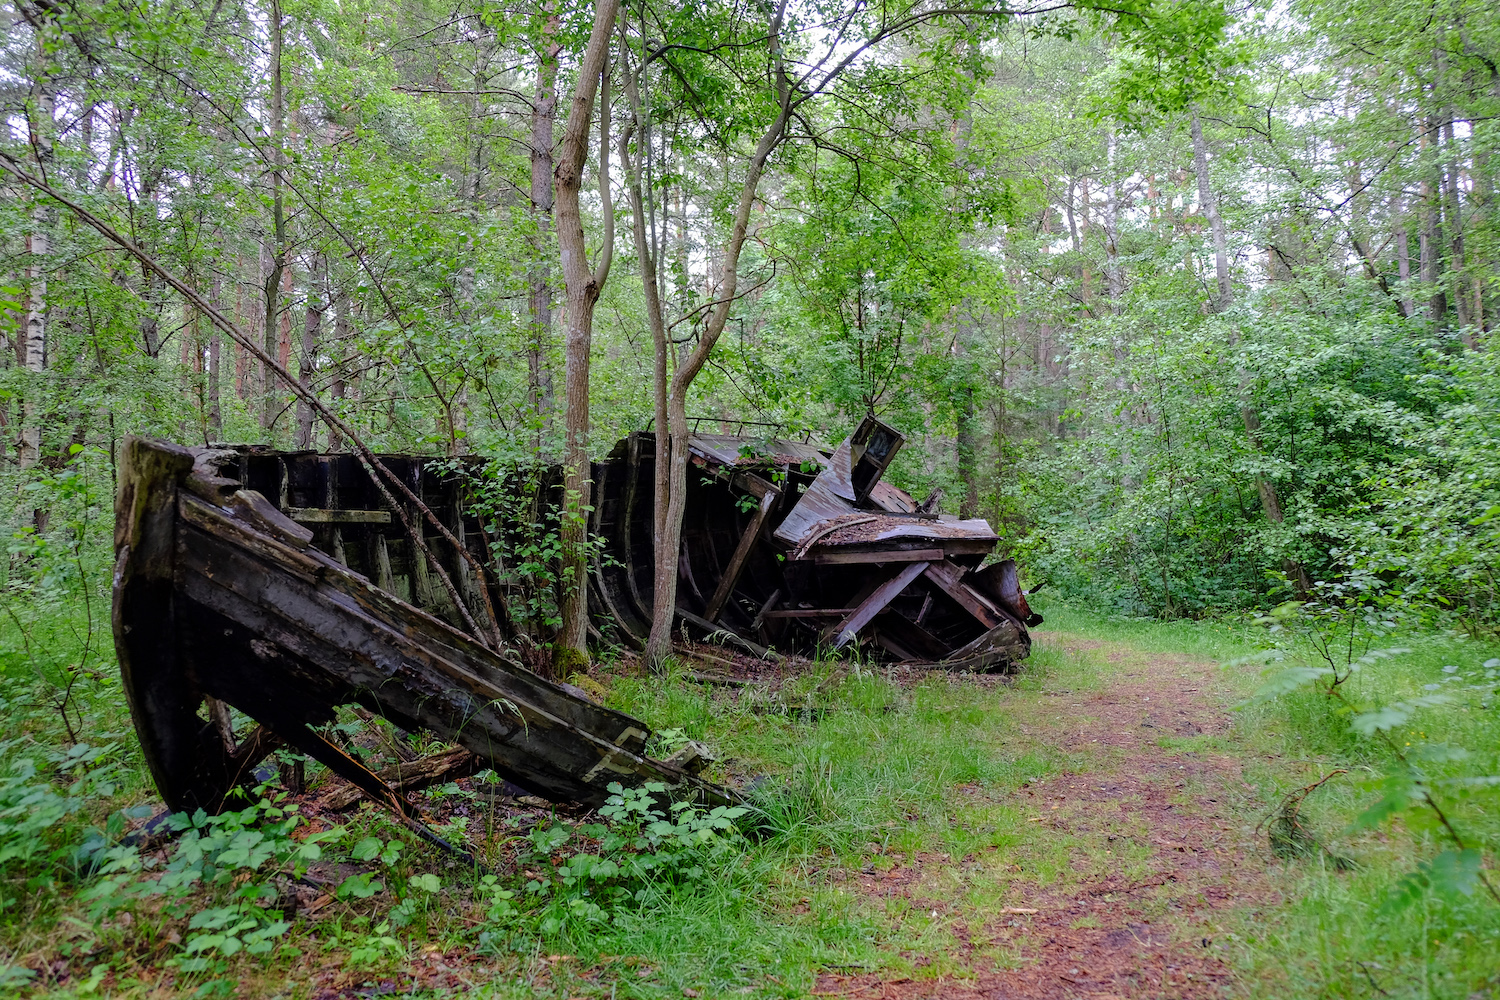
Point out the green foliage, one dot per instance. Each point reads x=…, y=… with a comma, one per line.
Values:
x=602, y=874
x=1428, y=783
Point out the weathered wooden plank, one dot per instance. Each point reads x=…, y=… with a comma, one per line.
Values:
x=922, y=644
x=737, y=560
x=757, y=486
x=752, y=647
x=303, y=626
x=1003, y=637
x=769, y=605
x=872, y=555
x=809, y=613
x=185, y=754
x=250, y=506
x=319, y=515
x=949, y=577
x=430, y=640
x=297, y=633
x=849, y=628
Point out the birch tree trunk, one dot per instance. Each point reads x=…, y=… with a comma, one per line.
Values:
x=38, y=247
x=1215, y=221
x=1453, y=210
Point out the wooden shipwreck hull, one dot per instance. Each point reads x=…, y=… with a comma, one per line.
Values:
x=791, y=546
x=221, y=600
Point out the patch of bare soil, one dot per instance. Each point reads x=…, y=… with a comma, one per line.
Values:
x=1177, y=814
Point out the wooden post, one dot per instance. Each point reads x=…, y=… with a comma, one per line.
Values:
x=741, y=554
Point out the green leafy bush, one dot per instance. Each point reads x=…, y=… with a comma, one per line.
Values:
x=589, y=876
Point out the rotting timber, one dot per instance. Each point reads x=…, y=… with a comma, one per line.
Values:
x=284, y=585
x=794, y=547
x=221, y=602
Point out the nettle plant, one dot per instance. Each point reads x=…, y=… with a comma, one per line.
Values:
x=1420, y=780
x=588, y=876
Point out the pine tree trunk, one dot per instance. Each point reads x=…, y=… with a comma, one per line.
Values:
x=307, y=366
x=215, y=411
x=338, y=350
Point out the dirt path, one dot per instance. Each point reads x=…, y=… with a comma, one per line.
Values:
x=1159, y=826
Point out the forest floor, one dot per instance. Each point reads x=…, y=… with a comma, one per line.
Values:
x=1092, y=827
x=1160, y=826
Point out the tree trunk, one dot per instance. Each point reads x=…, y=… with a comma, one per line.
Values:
x=1403, y=261
x=215, y=411
x=543, y=115
x=583, y=287
x=1215, y=221
x=1431, y=239
x=1113, y=276
x=1453, y=209
x=338, y=351
x=38, y=249
x=307, y=366
x=242, y=387
x=670, y=541
x=664, y=585
x=269, y=395
x=967, y=447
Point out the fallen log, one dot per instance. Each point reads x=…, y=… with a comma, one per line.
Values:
x=413, y=775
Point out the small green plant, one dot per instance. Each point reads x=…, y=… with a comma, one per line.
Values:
x=1419, y=780
x=229, y=861
x=591, y=874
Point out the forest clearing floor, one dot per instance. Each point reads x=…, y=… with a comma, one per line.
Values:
x=1087, y=828
x=1159, y=829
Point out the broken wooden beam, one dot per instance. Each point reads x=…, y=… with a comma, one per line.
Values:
x=318, y=515
x=873, y=555
x=949, y=577
x=741, y=553
x=409, y=776
x=847, y=629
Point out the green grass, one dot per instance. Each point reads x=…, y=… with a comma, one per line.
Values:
x=1335, y=935
x=858, y=776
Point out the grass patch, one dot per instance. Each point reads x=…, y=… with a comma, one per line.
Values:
x=1337, y=936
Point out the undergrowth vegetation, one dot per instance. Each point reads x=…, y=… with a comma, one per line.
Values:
x=1389, y=815
x=99, y=893
x=1373, y=743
